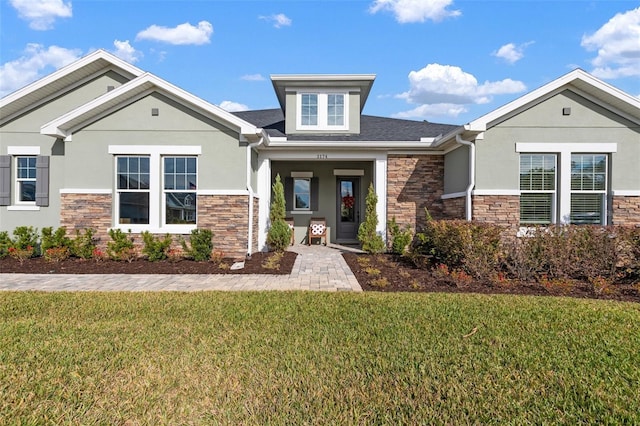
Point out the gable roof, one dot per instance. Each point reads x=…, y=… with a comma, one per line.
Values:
x=372, y=128
x=73, y=74
x=578, y=81
x=65, y=125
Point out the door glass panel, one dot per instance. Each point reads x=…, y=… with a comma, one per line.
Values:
x=348, y=201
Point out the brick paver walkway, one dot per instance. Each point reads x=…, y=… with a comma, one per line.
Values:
x=316, y=268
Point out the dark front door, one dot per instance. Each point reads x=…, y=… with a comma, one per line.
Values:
x=348, y=209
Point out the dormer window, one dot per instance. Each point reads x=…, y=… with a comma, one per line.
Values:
x=322, y=111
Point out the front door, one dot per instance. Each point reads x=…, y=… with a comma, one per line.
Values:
x=348, y=209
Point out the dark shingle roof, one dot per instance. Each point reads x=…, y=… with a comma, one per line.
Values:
x=372, y=128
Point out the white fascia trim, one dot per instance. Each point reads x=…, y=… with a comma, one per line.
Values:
x=453, y=195
x=243, y=192
x=626, y=192
x=23, y=150
x=413, y=152
x=64, y=71
x=323, y=156
x=86, y=191
x=359, y=144
x=496, y=192
x=566, y=148
x=155, y=149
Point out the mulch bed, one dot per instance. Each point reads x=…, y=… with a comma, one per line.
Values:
x=402, y=276
x=38, y=265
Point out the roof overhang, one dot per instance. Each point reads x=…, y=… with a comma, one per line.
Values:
x=69, y=76
x=284, y=82
x=65, y=125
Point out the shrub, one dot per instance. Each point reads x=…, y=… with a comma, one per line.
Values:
x=26, y=240
x=156, y=248
x=371, y=241
x=200, y=245
x=472, y=247
x=21, y=254
x=279, y=234
x=121, y=246
x=5, y=243
x=84, y=244
x=56, y=254
x=57, y=239
x=400, y=238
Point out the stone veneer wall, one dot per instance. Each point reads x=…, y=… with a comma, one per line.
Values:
x=626, y=210
x=414, y=182
x=228, y=217
x=83, y=211
x=256, y=223
x=501, y=210
x=454, y=208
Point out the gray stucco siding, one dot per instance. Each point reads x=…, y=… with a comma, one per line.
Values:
x=497, y=162
x=222, y=163
x=456, y=170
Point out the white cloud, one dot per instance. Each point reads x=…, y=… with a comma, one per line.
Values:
x=253, y=77
x=34, y=64
x=408, y=11
x=422, y=111
x=233, y=106
x=126, y=52
x=279, y=20
x=618, y=46
x=445, y=89
x=511, y=53
x=41, y=14
x=182, y=34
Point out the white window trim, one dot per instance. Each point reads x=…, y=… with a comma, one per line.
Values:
x=322, y=109
x=16, y=183
x=21, y=151
x=298, y=209
x=155, y=152
x=554, y=193
x=166, y=191
x=602, y=192
x=564, y=151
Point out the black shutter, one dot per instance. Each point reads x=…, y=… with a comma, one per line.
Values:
x=42, y=180
x=315, y=193
x=5, y=180
x=288, y=193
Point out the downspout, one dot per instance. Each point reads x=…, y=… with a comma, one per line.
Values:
x=472, y=175
x=250, y=190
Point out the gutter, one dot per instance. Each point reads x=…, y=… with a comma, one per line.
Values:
x=250, y=146
x=472, y=175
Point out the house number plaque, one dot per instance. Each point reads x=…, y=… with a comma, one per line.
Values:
x=322, y=156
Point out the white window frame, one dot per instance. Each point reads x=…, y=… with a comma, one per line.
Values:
x=564, y=151
x=554, y=192
x=323, y=110
x=167, y=191
x=120, y=191
x=156, y=153
x=602, y=192
x=14, y=152
x=300, y=209
x=17, y=179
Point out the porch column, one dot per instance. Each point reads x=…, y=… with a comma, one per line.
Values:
x=380, y=185
x=264, y=193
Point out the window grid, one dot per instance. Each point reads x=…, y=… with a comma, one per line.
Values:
x=133, y=189
x=588, y=188
x=26, y=180
x=180, y=184
x=335, y=110
x=309, y=114
x=537, y=188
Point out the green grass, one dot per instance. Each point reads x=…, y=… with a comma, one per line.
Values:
x=316, y=358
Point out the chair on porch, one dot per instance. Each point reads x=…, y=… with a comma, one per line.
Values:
x=317, y=229
x=289, y=221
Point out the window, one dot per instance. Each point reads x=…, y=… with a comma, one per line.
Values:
x=180, y=184
x=322, y=111
x=133, y=189
x=309, y=114
x=26, y=180
x=588, y=188
x=537, y=188
x=302, y=193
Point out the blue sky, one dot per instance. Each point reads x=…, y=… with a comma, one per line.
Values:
x=438, y=60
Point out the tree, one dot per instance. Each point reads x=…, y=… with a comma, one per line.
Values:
x=371, y=241
x=279, y=234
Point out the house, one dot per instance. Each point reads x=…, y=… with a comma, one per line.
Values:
x=102, y=144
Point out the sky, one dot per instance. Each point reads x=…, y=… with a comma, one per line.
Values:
x=445, y=61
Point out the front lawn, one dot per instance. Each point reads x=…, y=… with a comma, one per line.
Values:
x=320, y=358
